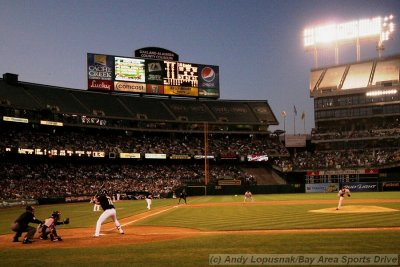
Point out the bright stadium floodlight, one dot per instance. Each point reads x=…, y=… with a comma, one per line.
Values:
x=378, y=29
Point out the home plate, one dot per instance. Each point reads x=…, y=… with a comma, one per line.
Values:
x=355, y=209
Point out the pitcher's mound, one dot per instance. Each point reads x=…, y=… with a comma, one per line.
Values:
x=355, y=209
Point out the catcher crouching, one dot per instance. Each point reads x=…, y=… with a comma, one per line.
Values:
x=49, y=227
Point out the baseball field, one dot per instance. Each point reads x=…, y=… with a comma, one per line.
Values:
x=187, y=234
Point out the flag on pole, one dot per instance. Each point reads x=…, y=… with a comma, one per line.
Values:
x=294, y=110
x=303, y=115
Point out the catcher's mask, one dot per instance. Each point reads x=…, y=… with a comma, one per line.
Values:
x=56, y=214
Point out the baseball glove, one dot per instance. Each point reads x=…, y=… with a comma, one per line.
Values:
x=66, y=221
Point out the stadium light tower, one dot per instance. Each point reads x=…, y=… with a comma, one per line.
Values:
x=378, y=29
x=284, y=114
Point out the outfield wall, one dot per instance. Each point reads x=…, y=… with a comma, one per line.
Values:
x=293, y=188
x=240, y=190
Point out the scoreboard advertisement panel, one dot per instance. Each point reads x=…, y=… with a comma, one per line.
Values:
x=150, y=76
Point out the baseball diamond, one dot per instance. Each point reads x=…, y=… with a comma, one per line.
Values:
x=140, y=228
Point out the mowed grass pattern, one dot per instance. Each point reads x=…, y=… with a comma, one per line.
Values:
x=262, y=217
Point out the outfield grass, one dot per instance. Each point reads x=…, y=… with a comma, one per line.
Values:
x=248, y=217
x=194, y=251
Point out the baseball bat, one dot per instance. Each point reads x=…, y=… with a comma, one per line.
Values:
x=101, y=188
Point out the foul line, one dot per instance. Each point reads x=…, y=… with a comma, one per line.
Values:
x=144, y=217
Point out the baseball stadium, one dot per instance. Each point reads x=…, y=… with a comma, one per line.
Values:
x=148, y=133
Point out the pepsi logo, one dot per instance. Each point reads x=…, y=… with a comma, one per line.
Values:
x=208, y=74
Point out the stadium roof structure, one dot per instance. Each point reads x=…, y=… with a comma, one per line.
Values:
x=355, y=77
x=19, y=95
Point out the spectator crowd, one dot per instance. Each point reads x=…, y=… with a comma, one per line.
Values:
x=67, y=178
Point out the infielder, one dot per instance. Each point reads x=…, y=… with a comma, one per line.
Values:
x=108, y=211
x=248, y=196
x=183, y=196
x=149, y=198
x=344, y=191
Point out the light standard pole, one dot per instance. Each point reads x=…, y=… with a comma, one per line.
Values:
x=284, y=114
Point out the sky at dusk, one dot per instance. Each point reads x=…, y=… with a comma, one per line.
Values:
x=257, y=44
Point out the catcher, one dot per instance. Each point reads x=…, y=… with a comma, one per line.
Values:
x=49, y=227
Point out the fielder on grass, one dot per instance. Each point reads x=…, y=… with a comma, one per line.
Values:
x=149, y=198
x=248, y=196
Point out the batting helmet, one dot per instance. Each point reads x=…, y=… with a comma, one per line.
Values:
x=30, y=208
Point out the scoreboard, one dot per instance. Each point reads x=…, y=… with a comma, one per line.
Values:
x=150, y=76
x=340, y=176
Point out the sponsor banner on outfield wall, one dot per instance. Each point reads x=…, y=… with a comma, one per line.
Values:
x=202, y=157
x=391, y=186
x=228, y=156
x=52, y=123
x=155, y=156
x=78, y=199
x=257, y=157
x=342, y=172
x=174, y=156
x=362, y=187
x=229, y=182
x=14, y=119
x=322, y=188
x=129, y=155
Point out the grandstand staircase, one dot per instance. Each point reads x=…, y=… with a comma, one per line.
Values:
x=265, y=176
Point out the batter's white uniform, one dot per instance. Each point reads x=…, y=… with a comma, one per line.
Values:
x=109, y=212
x=344, y=191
